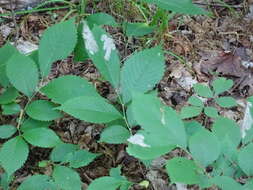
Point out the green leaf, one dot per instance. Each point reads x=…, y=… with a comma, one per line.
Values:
x=103, y=53
x=204, y=147
x=8, y=96
x=211, y=112
x=56, y=43
x=203, y=90
x=221, y=85
x=68, y=87
x=195, y=101
x=192, y=127
x=89, y=108
x=80, y=53
x=6, y=52
x=130, y=117
x=66, y=178
x=190, y=111
x=137, y=29
x=226, y=102
x=225, y=127
x=182, y=6
x=80, y=158
x=245, y=159
x=60, y=152
x=226, y=183
x=182, y=170
x=109, y=182
x=38, y=182
x=101, y=19
x=33, y=124
x=6, y=131
x=42, y=137
x=162, y=131
x=22, y=73
x=13, y=154
x=11, y=109
x=115, y=134
x=141, y=72
x=43, y=110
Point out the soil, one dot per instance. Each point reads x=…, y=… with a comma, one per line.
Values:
x=226, y=39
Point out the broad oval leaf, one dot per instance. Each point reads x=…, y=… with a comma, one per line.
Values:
x=195, y=101
x=38, y=182
x=7, y=131
x=190, y=111
x=66, y=178
x=68, y=87
x=10, y=109
x=182, y=6
x=211, y=112
x=137, y=29
x=110, y=183
x=6, y=52
x=29, y=124
x=43, y=110
x=203, y=90
x=221, y=85
x=57, y=42
x=226, y=102
x=226, y=183
x=91, y=109
x=245, y=159
x=204, y=147
x=115, y=134
x=42, y=137
x=8, y=96
x=141, y=72
x=13, y=154
x=182, y=170
x=22, y=73
x=60, y=152
x=101, y=19
x=223, y=127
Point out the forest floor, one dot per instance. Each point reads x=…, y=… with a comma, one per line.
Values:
x=222, y=43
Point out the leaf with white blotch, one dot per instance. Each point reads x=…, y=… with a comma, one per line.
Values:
x=221, y=85
x=101, y=19
x=245, y=159
x=66, y=178
x=13, y=154
x=42, y=137
x=38, y=182
x=178, y=166
x=247, y=123
x=8, y=96
x=43, y=110
x=115, y=134
x=141, y=72
x=22, y=73
x=57, y=42
x=162, y=131
x=182, y=6
x=91, y=109
x=6, y=131
x=103, y=53
x=68, y=87
x=6, y=52
x=204, y=147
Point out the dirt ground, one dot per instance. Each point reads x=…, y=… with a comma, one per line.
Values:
x=222, y=43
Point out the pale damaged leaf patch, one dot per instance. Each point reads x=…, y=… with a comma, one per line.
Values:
x=138, y=140
x=247, y=120
x=89, y=40
x=108, y=46
x=163, y=116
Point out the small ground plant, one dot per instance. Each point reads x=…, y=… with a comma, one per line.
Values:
x=213, y=157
